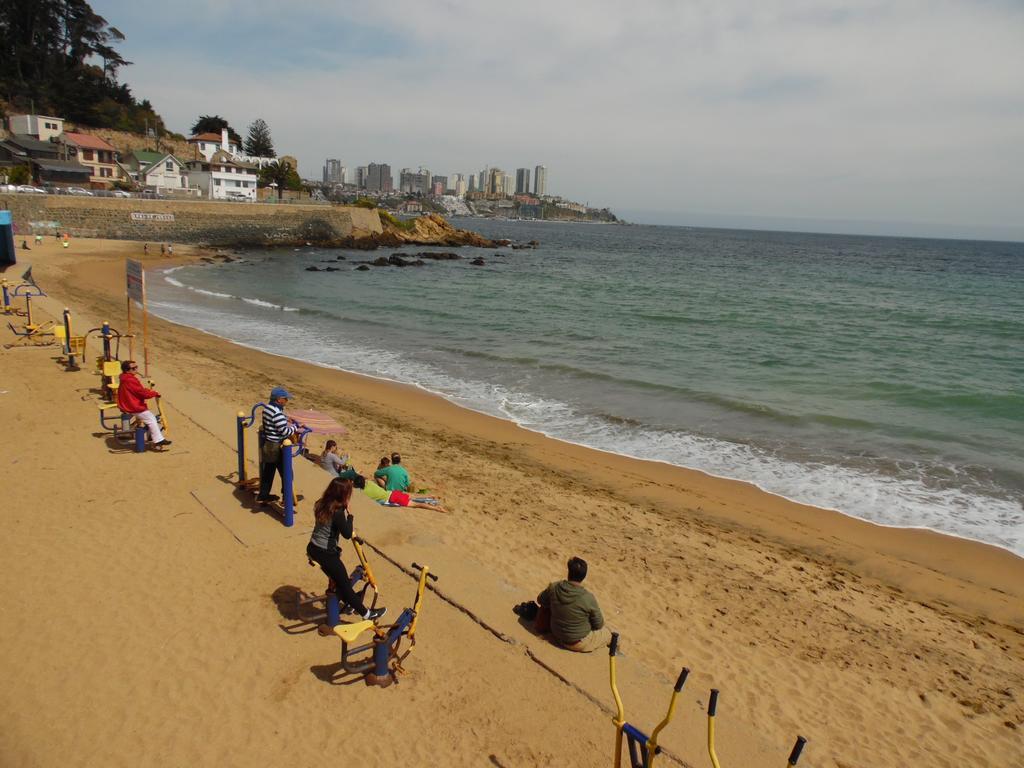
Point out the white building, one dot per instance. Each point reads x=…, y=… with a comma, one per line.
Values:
x=222, y=177
x=42, y=127
x=157, y=170
x=540, y=181
x=205, y=144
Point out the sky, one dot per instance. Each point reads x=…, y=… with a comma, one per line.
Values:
x=872, y=117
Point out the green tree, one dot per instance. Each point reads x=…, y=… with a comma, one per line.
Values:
x=215, y=124
x=48, y=50
x=258, y=143
x=19, y=174
x=281, y=173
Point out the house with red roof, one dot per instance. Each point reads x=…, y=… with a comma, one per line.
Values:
x=95, y=154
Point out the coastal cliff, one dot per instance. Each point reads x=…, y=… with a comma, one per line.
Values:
x=430, y=229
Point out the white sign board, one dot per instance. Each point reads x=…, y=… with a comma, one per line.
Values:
x=138, y=216
x=136, y=280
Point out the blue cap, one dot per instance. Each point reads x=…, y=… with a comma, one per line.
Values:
x=277, y=392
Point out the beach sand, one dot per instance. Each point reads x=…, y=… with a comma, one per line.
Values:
x=149, y=610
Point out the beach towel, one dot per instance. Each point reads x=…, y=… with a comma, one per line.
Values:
x=318, y=422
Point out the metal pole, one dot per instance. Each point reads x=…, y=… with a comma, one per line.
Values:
x=286, y=481
x=260, y=440
x=67, y=335
x=7, y=298
x=333, y=610
x=240, y=431
x=106, y=341
x=140, y=439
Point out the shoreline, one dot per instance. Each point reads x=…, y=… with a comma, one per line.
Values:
x=868, y=640
x=499, y=414
x=566, y=441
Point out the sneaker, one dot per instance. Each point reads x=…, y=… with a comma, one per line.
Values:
x=163, y=443
x=375, y=613
x=271, y=497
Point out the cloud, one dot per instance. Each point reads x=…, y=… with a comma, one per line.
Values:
x=873, y=111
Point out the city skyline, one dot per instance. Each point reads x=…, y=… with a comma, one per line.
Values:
x=907, y=116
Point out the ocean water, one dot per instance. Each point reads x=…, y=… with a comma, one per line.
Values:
x=881, y=377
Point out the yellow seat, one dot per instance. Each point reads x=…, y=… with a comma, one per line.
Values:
x=58, y=332
x=111, y=368
x=107, y=406
x=349, y=632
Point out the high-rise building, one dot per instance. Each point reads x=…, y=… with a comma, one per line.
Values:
x=495, y=182
x=458, y=184
x=522, y=181
x=333, y=171
x=414, y=182
x=438, y=182
x=361, y=177
x=508, y=185
x=540, y=180
x=472, y=183
x=378, y=178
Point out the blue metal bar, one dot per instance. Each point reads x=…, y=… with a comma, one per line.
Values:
x=140, y=439
x=240, y=432
x=287, y=481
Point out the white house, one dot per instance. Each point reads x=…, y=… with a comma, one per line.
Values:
x=221, y=177
x=157, y=170
x=206, y=144
x=42, y=127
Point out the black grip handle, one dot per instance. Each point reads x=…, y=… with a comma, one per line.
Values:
x=797, y=749
x=358, y=540
x=713, y=704
x=681, y=681
x=419, y=567
x=613, y=646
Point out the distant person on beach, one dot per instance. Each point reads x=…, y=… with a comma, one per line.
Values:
x=398, y=498
x=39, y=239
x=392, y=476
x=163, y=249
x=332, y=460
x=276, y=429
x=24, y=245
x=331, y=519
x=575, y=618
x=145, y=248
x=170, y=249
x=132, y=397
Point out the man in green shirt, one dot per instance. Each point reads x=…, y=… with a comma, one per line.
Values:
x=576, y=620
x=393, y=477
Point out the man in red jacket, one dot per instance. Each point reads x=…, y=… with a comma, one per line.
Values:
x=131, y=398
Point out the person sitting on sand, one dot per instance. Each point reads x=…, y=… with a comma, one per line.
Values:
x=576, y=620
x=332, y=460
x=399, y=498
x=331, y=518
x=132, y=397
x=391, y=475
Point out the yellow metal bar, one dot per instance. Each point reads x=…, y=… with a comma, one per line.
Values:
x=620, y=717
x=652, y=743
x=420, y=588
x=712, y=706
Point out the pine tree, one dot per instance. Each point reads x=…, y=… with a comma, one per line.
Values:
x=258, y=143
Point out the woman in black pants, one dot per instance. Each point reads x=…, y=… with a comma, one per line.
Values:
x=332, y=519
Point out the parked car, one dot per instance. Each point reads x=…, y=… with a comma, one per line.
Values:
x=120, y=193
x=79, y=191
x=238, y=197
x=31, y=189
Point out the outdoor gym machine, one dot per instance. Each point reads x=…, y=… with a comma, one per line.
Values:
x=332, y=606
x=794, y=755
x=643, y=749
x=289, y=451
x=382, y=665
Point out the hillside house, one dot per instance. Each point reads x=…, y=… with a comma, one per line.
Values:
x=157, y=171
x=221, y=177
x=94, y=153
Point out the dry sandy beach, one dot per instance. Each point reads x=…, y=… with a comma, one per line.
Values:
x=148, y=611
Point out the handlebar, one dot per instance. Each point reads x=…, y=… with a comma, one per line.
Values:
x=713, y=704
x=613, y=646
x=681, y=680
x=419, y=567
x=797, y=749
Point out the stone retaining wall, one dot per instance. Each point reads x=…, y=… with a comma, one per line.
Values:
x=210, y=223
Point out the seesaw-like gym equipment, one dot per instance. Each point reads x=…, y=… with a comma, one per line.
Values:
x=125, y=427
x=643, y=749
x=382, y=665
x=289, y=450
x=31, y=333
x=361, y=580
